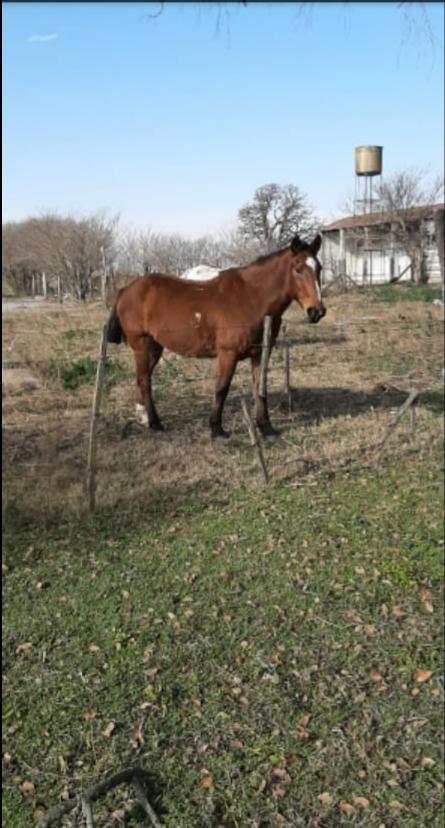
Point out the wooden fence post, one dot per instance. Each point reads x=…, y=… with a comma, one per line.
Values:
x=104, y=277
x=286, y=369
x=267, y=330
x=91, y=478
x=255, y=443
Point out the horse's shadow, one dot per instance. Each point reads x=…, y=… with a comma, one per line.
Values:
x=311, y=405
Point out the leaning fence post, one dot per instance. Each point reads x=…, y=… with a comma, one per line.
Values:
x=410, y=400
x=267, y=330
x=91, y=478
x=255, y=443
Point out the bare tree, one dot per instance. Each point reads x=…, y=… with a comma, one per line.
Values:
x=69, y=251
x=275, y=214
x=150, y=252
x=415, y=23
x=399, y=195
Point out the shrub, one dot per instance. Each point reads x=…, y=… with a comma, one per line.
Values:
x=83, y=371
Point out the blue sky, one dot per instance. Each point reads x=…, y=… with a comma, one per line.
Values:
x=174, y=120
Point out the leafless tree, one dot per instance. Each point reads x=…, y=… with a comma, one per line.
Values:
x=398, y=195
x=275, y=214
x=70, y=251
x=150, y=252
x=415, y=23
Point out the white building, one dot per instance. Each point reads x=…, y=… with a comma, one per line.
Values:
x=200, y=273
x=364, y=248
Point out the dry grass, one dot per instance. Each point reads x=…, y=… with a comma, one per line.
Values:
x=348, y=374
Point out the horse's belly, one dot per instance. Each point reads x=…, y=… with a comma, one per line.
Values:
x=188, y=344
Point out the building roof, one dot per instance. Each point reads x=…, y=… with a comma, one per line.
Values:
x=369, y=219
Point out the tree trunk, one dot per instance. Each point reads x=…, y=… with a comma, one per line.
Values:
x=416, y=269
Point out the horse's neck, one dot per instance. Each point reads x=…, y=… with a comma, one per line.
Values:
x=269, y=280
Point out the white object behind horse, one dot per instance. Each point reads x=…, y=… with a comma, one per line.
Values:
x=200, y=273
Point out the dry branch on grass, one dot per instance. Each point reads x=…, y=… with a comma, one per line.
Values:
x=134, y=776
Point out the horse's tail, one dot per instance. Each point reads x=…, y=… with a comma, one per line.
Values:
x=115, y=333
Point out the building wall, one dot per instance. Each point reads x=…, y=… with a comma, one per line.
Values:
x=374, y=267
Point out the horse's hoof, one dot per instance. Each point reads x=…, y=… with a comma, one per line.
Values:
x=269, y=433
x=156, y=427
x=220, y=433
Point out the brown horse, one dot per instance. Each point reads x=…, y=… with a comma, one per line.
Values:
x=221, y=318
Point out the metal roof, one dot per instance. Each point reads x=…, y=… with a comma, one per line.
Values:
x=382, y=218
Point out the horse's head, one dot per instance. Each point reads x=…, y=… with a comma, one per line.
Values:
x=305, y=277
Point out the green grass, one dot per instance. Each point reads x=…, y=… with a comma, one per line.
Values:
x=83, y=371
x=405, y=293
x=265, y=641
x=78, y=333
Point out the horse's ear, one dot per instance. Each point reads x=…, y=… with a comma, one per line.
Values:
x=296, y=244
x=316, y=244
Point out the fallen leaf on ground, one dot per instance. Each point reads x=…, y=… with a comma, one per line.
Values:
x=375, y=676
x=109, y=729
x=23, y=648
x=361, y=801
x=422, y=675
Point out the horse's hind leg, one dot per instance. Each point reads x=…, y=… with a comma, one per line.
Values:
x=224, y=372
x=147, y=353
x=261, y=408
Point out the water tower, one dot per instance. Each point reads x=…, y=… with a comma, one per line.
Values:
x=368, y=165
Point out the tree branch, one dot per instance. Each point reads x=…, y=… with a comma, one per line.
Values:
x=133, y=775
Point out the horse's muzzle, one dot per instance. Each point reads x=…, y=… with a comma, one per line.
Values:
x=315, y=314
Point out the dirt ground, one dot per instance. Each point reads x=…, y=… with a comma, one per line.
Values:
x=349, y=375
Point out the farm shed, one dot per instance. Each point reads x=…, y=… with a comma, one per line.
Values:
x=366, y=248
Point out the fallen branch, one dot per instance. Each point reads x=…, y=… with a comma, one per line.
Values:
x=132, y=775
x=412, y=397
x=87, y=812
x=140, y=793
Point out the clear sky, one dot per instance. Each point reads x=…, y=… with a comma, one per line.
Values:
x=174, y=120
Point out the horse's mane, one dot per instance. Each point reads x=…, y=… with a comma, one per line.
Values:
x=268, y=256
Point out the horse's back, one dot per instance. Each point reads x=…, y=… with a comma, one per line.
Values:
x=190, y=318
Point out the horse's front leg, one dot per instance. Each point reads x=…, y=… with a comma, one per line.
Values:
x=261, y=407
x=225, y=370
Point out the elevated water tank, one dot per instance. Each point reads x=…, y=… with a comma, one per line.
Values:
x=368, y=160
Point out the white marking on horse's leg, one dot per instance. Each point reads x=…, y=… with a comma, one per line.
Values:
x=141, y=414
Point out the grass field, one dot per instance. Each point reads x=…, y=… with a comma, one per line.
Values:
x=270, y=655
